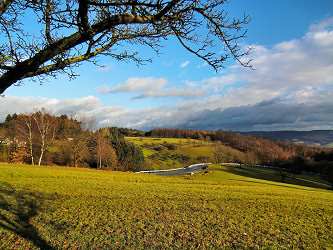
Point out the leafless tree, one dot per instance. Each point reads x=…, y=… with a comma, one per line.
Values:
x=218, y=153
x=283, y=173
x=105, y=154
x=72, y=31
x=47, y=128
x=25, y=127
x=80, y=129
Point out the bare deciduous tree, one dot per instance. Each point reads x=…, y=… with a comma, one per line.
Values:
x=218, y=153
x=25, y=126
x=47, y=128
x=69, y=32
x=105, y=154
x=78, y=136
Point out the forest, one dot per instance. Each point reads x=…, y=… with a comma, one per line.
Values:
x=43, y=139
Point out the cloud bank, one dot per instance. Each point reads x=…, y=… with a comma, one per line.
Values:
x=151, y=87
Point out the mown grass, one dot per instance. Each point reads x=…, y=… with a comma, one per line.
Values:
x=66, y=208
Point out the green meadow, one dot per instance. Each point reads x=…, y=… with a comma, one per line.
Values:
x=169, y=153
x=225, y=207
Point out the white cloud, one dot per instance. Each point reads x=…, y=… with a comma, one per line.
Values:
x=105, y=68
x=91, y=107
x=202, y=65
x=167, y=63
x=293, y=64
x=322, y=25
x=184, y=64
x=140, y=84
x=10, y=105
x=219, y=83
x=152, y=87
x=288, y=70
x=104, y=89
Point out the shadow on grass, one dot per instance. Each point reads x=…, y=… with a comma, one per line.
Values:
x=271, y=184
x=17, y=208
x=272, y=175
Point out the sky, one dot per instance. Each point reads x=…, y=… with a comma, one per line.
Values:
x=291, y=87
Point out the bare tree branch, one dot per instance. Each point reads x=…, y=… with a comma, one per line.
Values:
x=163, y=12
x=48, y=21
x=77, y=31
x=83, y=16
x=4, y=5
x=93, y=3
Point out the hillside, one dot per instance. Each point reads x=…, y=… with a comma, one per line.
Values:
x=67, y=208
x=315, y=137
x=70, y=142
x=167, y=153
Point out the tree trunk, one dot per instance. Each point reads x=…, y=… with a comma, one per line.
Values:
x=42, y=149
x=30, y=145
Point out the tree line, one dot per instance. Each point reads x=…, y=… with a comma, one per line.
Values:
x=263, y=150
x=43, y=139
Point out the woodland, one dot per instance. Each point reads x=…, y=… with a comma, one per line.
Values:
x=44, y=139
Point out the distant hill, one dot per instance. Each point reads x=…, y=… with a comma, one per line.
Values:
x=315, y=137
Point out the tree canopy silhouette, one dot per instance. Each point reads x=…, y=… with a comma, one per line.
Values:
x=69, y=32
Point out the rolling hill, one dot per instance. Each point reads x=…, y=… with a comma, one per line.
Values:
x=314, y=137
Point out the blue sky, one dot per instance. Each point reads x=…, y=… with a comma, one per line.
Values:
x=291, y=88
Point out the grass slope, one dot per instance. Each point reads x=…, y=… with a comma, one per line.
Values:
x=66, y=208
x=184, y=153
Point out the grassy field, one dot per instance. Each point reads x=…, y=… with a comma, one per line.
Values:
x=228, y=207
x=184, y=152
